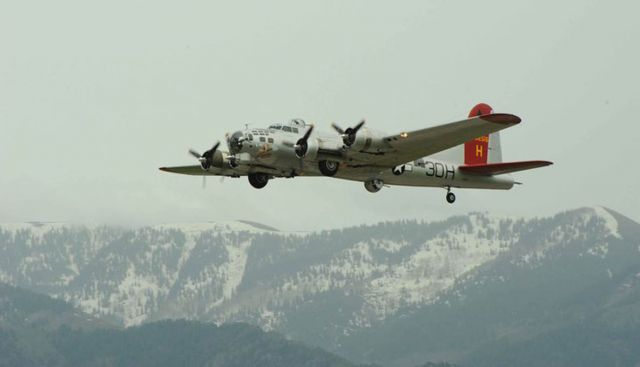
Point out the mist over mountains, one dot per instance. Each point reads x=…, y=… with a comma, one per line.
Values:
x=475, y=290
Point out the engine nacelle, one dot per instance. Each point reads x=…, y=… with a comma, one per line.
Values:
x=307, y=150
x=221, y=160
x=368, y=140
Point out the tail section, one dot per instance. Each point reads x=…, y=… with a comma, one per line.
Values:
x=483, y=149
x=483, y=155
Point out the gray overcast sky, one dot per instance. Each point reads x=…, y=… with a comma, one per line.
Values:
x=95, y=96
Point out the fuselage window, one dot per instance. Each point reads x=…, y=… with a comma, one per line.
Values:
x=250, y=137
x=262, y=139
x=286, y=128
x=270, y=140
x=294, y=129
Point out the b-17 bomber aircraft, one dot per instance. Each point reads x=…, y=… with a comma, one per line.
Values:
x=463, y=154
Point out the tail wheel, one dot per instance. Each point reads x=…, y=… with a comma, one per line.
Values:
x=451, y=197
x=328, y=168
x=258, y=180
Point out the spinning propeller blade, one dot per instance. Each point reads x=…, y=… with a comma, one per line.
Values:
x=302, y=145
x=206, y=159
x=348, y=135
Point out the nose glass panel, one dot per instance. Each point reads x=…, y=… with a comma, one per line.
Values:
x=235, y=142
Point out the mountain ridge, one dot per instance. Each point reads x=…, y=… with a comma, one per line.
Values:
x=36, y=330
x=332, y=288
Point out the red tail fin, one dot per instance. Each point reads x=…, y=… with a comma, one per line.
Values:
x=476, y=151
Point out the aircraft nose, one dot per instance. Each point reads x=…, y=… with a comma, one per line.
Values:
x=235, y=142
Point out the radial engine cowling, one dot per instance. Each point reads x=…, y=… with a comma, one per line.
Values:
x=306, y=148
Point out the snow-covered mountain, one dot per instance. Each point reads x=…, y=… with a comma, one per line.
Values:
x=321, y=287
x=222, y=271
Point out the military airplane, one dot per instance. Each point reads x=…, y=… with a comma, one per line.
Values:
x=463, y=154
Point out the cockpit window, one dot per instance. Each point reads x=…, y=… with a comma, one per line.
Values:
x=294, y=126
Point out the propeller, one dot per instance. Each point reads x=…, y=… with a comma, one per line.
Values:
x=302, y=145
x=206, y=159
x=348, y=135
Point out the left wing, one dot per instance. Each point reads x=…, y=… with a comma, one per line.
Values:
x=186, y=170
x=197, y=170
x=413, y=145
x=240, y=170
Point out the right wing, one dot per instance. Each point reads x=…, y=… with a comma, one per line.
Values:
x=240, y=170
x=186, y=170
x=417, y=144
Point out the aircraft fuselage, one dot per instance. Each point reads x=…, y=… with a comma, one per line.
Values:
x=274, y=150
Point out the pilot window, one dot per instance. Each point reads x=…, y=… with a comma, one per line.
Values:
x=286, y=128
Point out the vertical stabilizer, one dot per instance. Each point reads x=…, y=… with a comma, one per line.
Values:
x=476, y=151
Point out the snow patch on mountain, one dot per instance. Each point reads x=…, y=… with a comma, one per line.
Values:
x=136, y=296
x=599, y=250
x=434, y=267
x=609, y=221
x=235, y=268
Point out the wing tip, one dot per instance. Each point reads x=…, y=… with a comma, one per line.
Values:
x=165, y=169
x=541, y=163
x=502, y=118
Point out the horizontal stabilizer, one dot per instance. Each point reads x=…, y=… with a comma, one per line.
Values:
x=502, y=168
